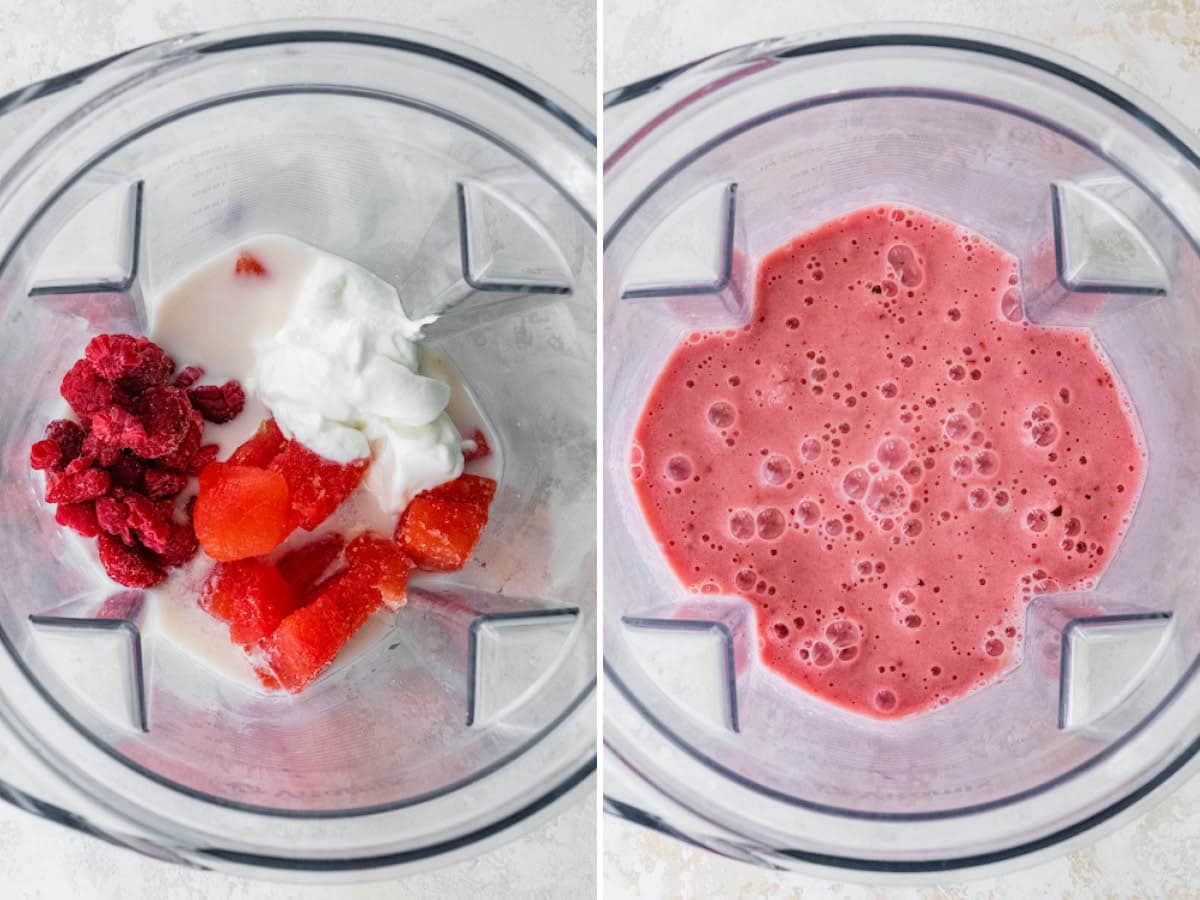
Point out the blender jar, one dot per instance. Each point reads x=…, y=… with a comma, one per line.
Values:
x=469, y=187
x=1097, y=193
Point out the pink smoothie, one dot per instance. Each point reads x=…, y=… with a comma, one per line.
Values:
x=889, y=461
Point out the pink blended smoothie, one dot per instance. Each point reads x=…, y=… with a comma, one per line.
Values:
x=888, y=461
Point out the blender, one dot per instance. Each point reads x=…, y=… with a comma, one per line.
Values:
x=470, y=187
x=1097, y=193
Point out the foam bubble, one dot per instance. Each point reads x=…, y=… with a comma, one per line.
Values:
x=821, y=654
x=744, y=580
x=776, y=469
x=741, y=524
x=842, y=633
x=1044, y=433
x=1010, y=305
x=956, y=373
x=833, y=527
x=1001, y=498
x=974, y=410
x=912, y=620
x=978, y=498
x=722, y=414
x=679, y=468
x=771, y=523
x=808, y=512
x=846, y=654
x=854, y=484
x=902, y=259
x=888, y=495
x=1037, y=519
x=892, y=452
x=885, y=700
x=888, y=390
x=958, y=426
x=987, y=463
x=906, y=597
x=1072, y=527
x=810, y=449
x=911, y=528
x=993, y=647
x=961, y=466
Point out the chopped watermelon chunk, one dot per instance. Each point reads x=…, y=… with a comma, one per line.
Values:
x=317, y=485
x=474, y=489
x=241, y=511
x=261, y=448
x=303, y=566
x=439, y=535
x=383, y=564
x=308, y=639
x=251, y=596
x=481, y=451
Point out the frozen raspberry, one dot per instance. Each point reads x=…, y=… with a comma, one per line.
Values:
x=187, y=377
x=249, y=265
x=69, y=437
x=218, y=404
x=147, y=519
x=128, y=471
x=100, y=450
x=87, y=391
x=155, y=424
x=202, y=458
x=45, y=454
x=180, y=458
x=161, y=483
x=76, y=487
x=79, y=517
x=130, y=566
x=132, y=363
x=481, y=451
x=181, y=546
x=112, y=517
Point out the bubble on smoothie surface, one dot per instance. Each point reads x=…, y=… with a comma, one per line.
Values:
x=810, y=449
x=958, y=426
x=892, y=452
x=776, y=469
x=855, y=483
x=722, y=414
x=887, y=495
x=679, y=468
x=771, y=523
x=808, y=512
x=741, y=524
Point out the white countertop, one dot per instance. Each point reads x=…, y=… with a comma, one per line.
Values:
x=555, y=39
x=1153, y=45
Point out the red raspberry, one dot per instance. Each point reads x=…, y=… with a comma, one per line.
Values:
x=147, y=519
x=112, y=517
x=69, y=437
x=45, y=454
x=104, y=453
x=187, y=377
x=156, y=423
x=162, y=483
x=181, y=546
x=80, y=517
x=128, y=471
x=130, y=566
x=133, y=363
x=75, y=487
x=181, y=456
x=87, y=391
x=218, y=404
x=202, y=458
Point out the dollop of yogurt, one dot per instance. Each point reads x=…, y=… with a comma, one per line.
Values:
x=342, y=375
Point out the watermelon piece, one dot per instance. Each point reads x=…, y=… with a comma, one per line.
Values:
x=251, y=596
x=309, y=638
x=474, y=489
x=241, y=511
x=261, y=448
x=317, y=485
x=482, y=449
x=439, y=535
x=383, y=564
x=303, y=566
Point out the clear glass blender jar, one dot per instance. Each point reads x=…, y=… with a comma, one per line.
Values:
x=1097, y=193
x=471, y=188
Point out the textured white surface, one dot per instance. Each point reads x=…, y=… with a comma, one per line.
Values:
x=1153, y=45
x=554, y=39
